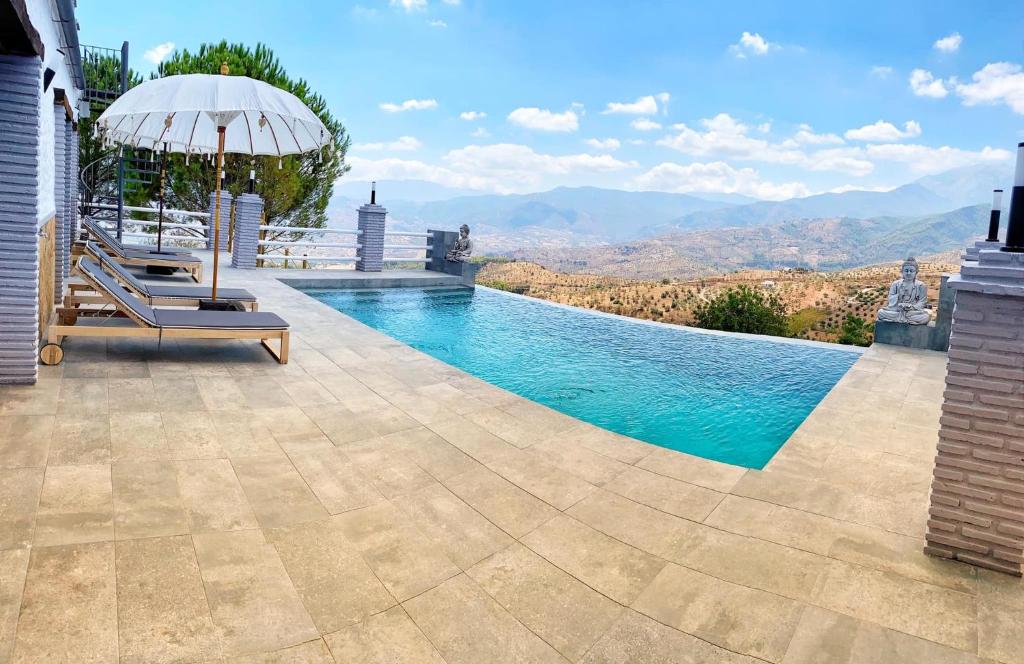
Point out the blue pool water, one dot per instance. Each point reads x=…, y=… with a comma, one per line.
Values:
x=729, y=398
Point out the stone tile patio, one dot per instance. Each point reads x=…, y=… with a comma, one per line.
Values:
x=367, y=503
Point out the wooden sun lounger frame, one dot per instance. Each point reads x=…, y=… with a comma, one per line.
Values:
x=194, y=268
x=52, y=352
x=79, y=294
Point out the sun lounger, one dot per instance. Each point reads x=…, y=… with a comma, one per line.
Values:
x=130, y=317
x=153, y=294
x=143, y=258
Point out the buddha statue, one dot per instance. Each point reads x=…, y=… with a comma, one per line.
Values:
x=907, y=298
x=462, y=249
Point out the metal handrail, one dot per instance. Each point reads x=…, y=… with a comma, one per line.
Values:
x=297, y=229
x=333, y=245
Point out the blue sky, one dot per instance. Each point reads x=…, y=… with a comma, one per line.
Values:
x=764, y=99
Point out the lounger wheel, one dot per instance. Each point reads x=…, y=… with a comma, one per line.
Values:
x=51, y=354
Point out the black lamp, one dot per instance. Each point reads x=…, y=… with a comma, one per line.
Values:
x=993, y=217
x=1015, y=227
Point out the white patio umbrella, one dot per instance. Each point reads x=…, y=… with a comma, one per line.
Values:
x=205, y=114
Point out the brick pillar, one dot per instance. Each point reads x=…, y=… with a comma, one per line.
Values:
x=225, y=217
x=371, y=237
x=19, y=217
x=248, y=213
x=977, y=500
x=61, y=255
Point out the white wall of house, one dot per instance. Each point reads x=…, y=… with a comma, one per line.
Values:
x=43, y=14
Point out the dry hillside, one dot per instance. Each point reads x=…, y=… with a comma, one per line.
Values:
x=817, y=302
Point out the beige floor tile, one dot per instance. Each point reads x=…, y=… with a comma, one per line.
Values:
x=336, y=481
x=80, y=440
x=69, y=609
x=311, y=652
x=255, y=607
x=147, y=500
x=693, y=470
x=539, y=477
x=335, y=584
x=788, y=490
x=211, y=496
x=25, y=440
x=161, y=604
x=137, y=437
x=177, y=394
x=386, y=638
x=240, y=435
x=775, y=523
x=306, y=390
x=637, y=638
x=402, y=557
x=1000, y=617
x=666, y=494
x=220, y=393
x=824, y=636
x=461, y=533
x=287, y=423
x=38, y=399
x=191, y=435
x=388, y=467
x=432, y=453
x=930, y=612
x=612, y=568
x=578, y=460
x=131, y=395
x=564, y=612
x=277, y=493
x=469, y=627
x=607, y=443
x=640, y=526
x=472, y=439
x=79, y=396
x=19, y=498
x=13, y=568
x=261, y=393
x=741, y=619
x=515, y=429
x=340, y=423
x=75, y=506
x=504, y=504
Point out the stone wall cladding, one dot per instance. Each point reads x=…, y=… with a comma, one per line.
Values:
x=61, y=256
x=371, y=237
x=19, y=217
x=248, y=215
x=977, y=511
x=70, y=193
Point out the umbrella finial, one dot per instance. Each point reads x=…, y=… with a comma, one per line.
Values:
x=223, y=69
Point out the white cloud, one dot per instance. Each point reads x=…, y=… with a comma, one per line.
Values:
x=545, y=120
x=884, y=132
x=644, y=124
x=470, y=116
x=948, y=44
x=606, y=144
x=409, y=105
x=637, y=141
x=402, y=144
x=452, y=2
x=716, y=176
x=925, y=159
x=765, y=127
x=997, y=82
x=752, y=44
x=805, y=136
x=503, y=168
x=480, y=132
x=924, y=84
x=647, y=105
x=409, y=5
x=157, y=54
x=437, y=23
x=881, y=71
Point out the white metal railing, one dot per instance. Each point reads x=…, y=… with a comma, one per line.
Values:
x=135, y=208
x=391, y=234
x=200, y=236
x=296, y=229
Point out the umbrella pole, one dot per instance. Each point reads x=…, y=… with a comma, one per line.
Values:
x=160, y=222
x=216, y=216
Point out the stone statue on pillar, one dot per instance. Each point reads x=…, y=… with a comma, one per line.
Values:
x=908, y=298
x=462, y=249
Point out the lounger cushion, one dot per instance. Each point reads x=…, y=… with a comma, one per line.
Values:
x=200, y=293
x=184, y=259
x=219, y=320
x=107, y=283
x=109, y=264
x=130, y=251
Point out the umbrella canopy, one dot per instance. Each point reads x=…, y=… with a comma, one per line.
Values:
x=203, y=114
x=184, y=113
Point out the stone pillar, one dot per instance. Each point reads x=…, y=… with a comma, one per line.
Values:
x=371, y=238
x=248, y=214
x=225, y=217
x=19, y=217
x=61, y=253
x=977, y=500
x=70, y=193
x=73, y=147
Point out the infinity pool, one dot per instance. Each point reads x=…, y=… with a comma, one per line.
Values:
x=724, y=397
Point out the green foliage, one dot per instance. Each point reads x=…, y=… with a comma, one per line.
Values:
x=804, y=320
x=296, y=189
x=856, y=331
x=500, y=284
x=743, y=310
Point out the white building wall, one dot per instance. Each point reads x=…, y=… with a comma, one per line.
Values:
x=43, y=14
